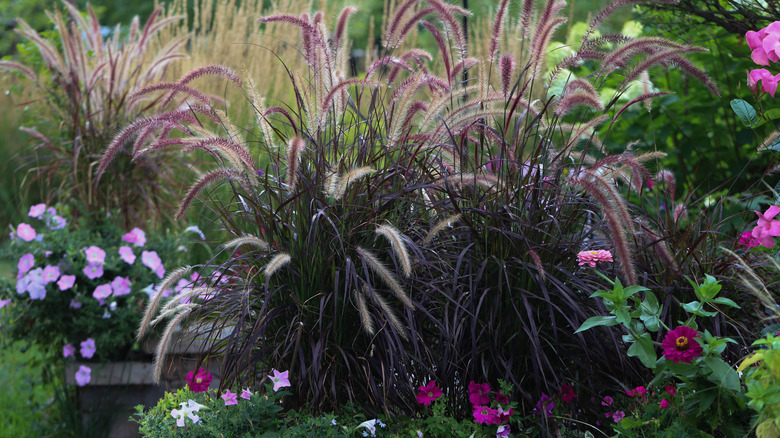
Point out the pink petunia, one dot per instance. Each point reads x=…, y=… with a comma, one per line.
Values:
x=136, y=236
x=618, y=415
x=93, y=271
x=50, y=274
x=88, y=348
x=679, y=345
x=26, y=262
x=503, y=431
x=102, y=292
x=4, y=303
x=68, y=350
x=428, y=393
x=66, y=282
x=126, y=253
x=95, y=255
x=199, y=381
x=74, y=304
x=120, y=286
x=607, y=401
x=37, y=211
x=767, y=227
x=593, y=257
x=230, y=398
x=25, y=232
x=83, y=375
x=485, y=415
x=246, y=394
x=150, y=259
x=478, y=393
x=279, y=379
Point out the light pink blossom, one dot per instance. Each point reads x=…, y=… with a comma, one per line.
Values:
x=95, y=255
x=68, y=350
x=25, y=232
x=102, y=292
x=120, y=286
x=136, y=236
x=768, y=81
x=593, y=257
x=26, y=262
x=765, y=44
x=767, y=227
x=4, y=303
x=126, y=253
x=93, y=271
x=50, y=274
x=230, y=398
x=37, y=211
x=246, y=394
x=66, y=282
x=83, y=375
x=280, y=380
x=88, y=348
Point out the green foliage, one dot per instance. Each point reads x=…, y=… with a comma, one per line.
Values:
x=25, y=395
x=763, y=384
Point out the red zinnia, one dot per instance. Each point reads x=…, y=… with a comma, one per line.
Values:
x=428, y=393
x=199, y=381
x=680, y=345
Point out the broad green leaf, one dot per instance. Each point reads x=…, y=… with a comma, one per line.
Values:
x=723, y=374
x=710, y=287
x=705, y=398
x=692, y=307
x=726, y=302
x=746, y=113
x=622, y=315
x=644, y=350
x=682, y=369
x=596, y=321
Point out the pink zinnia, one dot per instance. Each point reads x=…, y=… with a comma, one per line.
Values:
x=593, y=257
x=428, y=393
x=679, y=345
x=199, y=381
x=478, y=393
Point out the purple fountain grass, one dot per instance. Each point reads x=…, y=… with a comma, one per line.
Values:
x=498, y=28
x=341, y=27
x=207, y=179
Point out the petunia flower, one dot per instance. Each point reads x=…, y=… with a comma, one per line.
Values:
x=664, y=404
x=136, y=236
x=36, y=288
x=593, y=257
x=74, y=304
x=150, y=259
x=618, y=415
x=88, y=348
x=4, y=303
x=102, y=292
x=478, y=393
x=95, y=255
x=26, y=262
x=120, y=286
x=57, y=223
x=199, y=380
x=50, y=274
x=83, y=375
x=679, y=345
x=280, y=380
x=25, y=232
x=66, y=282
x=246, y=394
x=230, y=398
x=428, y=393
x=68, y=350
x=767, y=227
x=768, y=81
x=485, y=415
x=179, y=415
x=37, y=211
x=93, y=271
x=126, y=254
x=567, y=393
x=503, y=431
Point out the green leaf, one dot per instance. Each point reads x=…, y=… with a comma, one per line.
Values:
x=723, y=374
x=710, y=288
x=596, y=321
x=644, y=350
x=726, y=302
x=746, y=113
x=705, y=398
x=622, y=315
x=774, y=146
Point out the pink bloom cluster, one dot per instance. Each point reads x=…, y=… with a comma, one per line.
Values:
x=500, y=413
x=428, y=393
x=765, y=46
x=593, y=257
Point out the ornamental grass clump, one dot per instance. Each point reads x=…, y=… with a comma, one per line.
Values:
x=405, y=221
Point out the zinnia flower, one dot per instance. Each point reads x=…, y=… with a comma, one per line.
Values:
x=593, y=257
x=679, y=345
x=199, y=381
x=428, y=393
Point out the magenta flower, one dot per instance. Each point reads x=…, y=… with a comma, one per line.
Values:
x=664, y=404
x=428, y=393
x=503, y=431
x=593, y=257
x=747, y=240
x=679, y=345
x=74, y=304
x=120, y=286
x=485, y=415
x=4, y=303
x=618, y=415
x=640, y=391
x=768, y=81
x=607, y=401
x=95, y=255
x=765, y=44
x=102, y=292
x=246, y=394
x=68, y=350
x=66, y=282
x=230, y=398
x=88, y=348
x=26, y=262
x=567, y=393
x=50, y=274
x=545, y=406
x=93, y=271
x=126, y=253
x=767, y=227
x=37, y=211
x=478, y=393
x=280, y=380
x=671, y=390
x=199, y=381
x=25, y=232
x=137, y=237
x=83, y=375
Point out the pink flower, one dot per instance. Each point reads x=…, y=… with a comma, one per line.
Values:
x=93, y=271
x=607, y=401
x=230, y=398
x=68, y=350
x=640, y=391
x=74, y=304
x=567, y=393
x=150, y=259
x=503, y=431
x=478, y=393
x=4, y=303
x=160, y=270
x=50, y=274
x=102, y=292
x=485, y=415
x=747, y=240
x=66, y=282
x=765, y=44
x=25, y=232
x=95, y=255
x=120, y=286
x=767, y=227
x=671, y=390
x=664, y=404
x=88, y=349
x=768, y=81
x=545, y=406
x=428, y=393
x=280, y=380
x=501, y=398
x=246, y=394
x=126, y=253
x=679, y=345
x=26, y=262
x=36, y=211
x=83, y=375
x=592, y=257
x=199, y=381
x=618, y=415
x=137, y=237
